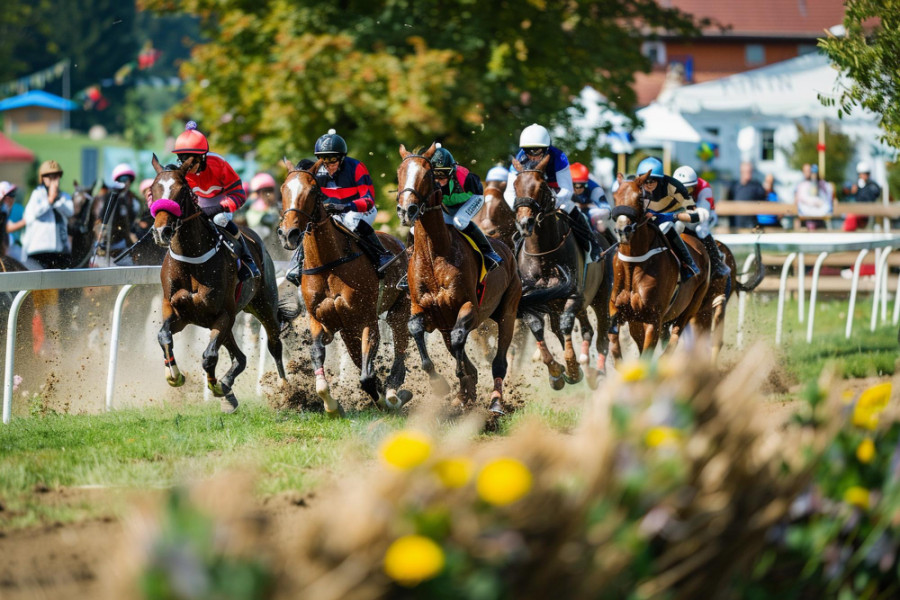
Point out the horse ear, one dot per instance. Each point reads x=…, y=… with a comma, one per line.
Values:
x=288, y=164
x=544, y=162
x=517, y=165
x=156, y=166
x=93, y=185
x=431, y=150
x=186, y=165
x=403, y=151
x=620, y=178
x=75, y=183
x=640, y=179
x=316, y=166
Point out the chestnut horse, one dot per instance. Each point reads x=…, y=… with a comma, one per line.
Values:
x=550, y=247
x=646, y=292
x=443, y=282
x=342, y=291
x=200, y=284
x=496, y=219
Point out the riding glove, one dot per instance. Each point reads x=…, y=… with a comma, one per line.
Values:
x=211, y=211
x=334, y=208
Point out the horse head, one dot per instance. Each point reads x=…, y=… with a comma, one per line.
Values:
x=533, y=196
x=301, y=203
x=630, y=206
x=418, y=191
x=171, y=199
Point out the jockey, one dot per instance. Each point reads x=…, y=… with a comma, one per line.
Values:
x=534, y=143
x=462, y=199
x=496, y=178
x=129, y=205
x=701, y=191
x=667, y=202
x=218, y=189
x=260, y=208
x=350, y=199
x=589, y=197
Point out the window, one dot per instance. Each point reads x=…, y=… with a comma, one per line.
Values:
x=655, y=51
x=806, y=49
x=713, y=131
x=767, y=144
x=755, y=54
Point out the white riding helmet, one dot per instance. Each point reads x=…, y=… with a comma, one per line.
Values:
x=497, y=173
x=863, y=167
x=123, y=169
x=534, y=136
x=686, y=175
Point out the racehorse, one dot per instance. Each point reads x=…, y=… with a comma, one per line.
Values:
x=496, y=219
x=200, y=284
x=550, y=253
x=444, y=287
x=646, y=291
x=342, y=293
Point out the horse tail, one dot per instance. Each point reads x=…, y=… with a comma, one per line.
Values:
x=535, y=302
x=757, y=277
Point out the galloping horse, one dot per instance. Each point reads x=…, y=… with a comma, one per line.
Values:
x=550, y=248
x=344, y=294
x=443, y=282
x=200, y=284
x=496, y=219
x=646, y=292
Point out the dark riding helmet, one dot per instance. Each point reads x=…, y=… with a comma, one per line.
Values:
x=329, y=144
x=442, y=161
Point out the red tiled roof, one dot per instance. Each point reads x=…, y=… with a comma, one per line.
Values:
x=13, y=152
x=777, y=18
x=648, y=85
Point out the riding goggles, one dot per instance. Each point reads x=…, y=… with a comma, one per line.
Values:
x=443, y=173
x=330, y=160
x=534, y=151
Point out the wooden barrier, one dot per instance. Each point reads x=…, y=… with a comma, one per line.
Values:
x=752, y=208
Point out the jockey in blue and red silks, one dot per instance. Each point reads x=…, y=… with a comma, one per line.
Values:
x=534, y=144
x=217, y=187
x=350, y=199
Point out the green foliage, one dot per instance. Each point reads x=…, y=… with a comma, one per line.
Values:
x=869, y=54
x=277, y=74
x=839, y=151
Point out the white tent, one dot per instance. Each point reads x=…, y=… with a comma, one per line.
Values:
x=661, y=125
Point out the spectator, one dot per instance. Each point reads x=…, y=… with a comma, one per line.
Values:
x=14, y=213
x=866, y=191
x=746, y=189
x=815, y=198
x=771, y=196
x=46, y=239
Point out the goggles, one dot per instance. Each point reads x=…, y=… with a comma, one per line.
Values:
x=330, y=160
x=534, y=151
x=579, y=185
x=443, y=173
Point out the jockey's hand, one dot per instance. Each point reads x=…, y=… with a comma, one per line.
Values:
x=703, y=214
x=211, y=211
x=335, y=208
x=663, y=217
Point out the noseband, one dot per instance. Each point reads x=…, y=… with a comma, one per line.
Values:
x=422, y=200
x=533, y=204
x=179, y=221
x=317, y=204
x=623, y=210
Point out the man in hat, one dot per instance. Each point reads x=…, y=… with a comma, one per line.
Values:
x=46, y=239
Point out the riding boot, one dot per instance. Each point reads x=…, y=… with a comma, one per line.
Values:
x=491, y=258
x=373, y=247
x=688, y=266
x=716, y=260
x=294, y=272
x=248, y=267
x=584, y=235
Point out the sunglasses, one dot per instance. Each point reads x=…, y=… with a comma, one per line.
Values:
x=534, y=151
x=330, y=160
x=442, y=173
x=580, y=185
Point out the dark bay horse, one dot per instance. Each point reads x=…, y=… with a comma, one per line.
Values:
x=200, y=284
x=343, y=293
x=646, y=292
x=443, y=282
x=496, y=219
x=549, y=254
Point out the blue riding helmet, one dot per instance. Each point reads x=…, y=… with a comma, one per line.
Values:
x=653, y=165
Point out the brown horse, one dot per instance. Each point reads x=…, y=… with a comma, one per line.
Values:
x=443, y=282
x=342, y=291
x=496, y=219
x=200, y=284
x=550, y=248
x=646, y=292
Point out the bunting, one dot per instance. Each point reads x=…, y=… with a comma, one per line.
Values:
x=36, y=81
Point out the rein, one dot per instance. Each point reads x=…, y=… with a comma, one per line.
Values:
x=317, y=204
x=558, y=246
x=422, y=199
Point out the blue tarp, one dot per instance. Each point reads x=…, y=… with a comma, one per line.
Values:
x=37, y=98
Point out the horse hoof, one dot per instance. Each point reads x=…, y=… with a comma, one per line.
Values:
x=228, y=404
x=337, y=413
x=496, y=407
x=396, y=399
x=557, y=383
x=176, y=381
x=593, y=378
x=216, y=389
x=576, y=379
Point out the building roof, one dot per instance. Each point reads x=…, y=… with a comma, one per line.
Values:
x=766, y=18
x=13, y=152
x=37, y=98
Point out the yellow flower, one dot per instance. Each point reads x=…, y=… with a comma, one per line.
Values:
x=870, y=405
x=660, y=436
x=412, y=559
x=406, y=449
x=865, y=452
x=503, y=481
x=633, y=371
x=454, y=472
x=857, y=496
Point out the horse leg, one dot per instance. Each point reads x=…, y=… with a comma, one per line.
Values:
x=554, y=369
x=650, y=333
x=612, y=335
x=398, y=318
x=238, y=364
x=718, y=327
x=584, y=358
x=333, y=408
x=573, y=374
x=456, y=343
x=416, y=327
x=505, y=329
x=368, y=379
x=220, y=330
x=171, y=325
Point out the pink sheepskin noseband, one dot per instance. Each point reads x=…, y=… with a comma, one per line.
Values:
x=170, y=206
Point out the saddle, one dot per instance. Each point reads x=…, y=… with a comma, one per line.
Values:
x=480, y=257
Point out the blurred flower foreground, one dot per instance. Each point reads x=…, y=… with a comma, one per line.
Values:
x=679, y=482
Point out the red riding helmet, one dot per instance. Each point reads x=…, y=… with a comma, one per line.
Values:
x=579, y=173
x=191, y=141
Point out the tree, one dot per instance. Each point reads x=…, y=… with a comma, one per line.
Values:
x=275, y=75
x=839, y=151
x=869, y=55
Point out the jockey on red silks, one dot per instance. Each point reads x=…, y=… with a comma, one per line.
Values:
x=218, y=189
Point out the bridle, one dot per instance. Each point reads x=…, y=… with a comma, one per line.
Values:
x=628, y=211
x=312, y=220
x=411, y=214
x=191, y=197
x=540, y=211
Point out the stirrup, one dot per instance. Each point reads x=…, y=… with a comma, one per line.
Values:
x=403, y=283
x=294, y=275
x=492, y=260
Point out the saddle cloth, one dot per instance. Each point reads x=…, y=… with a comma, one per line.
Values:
x=480, y=257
